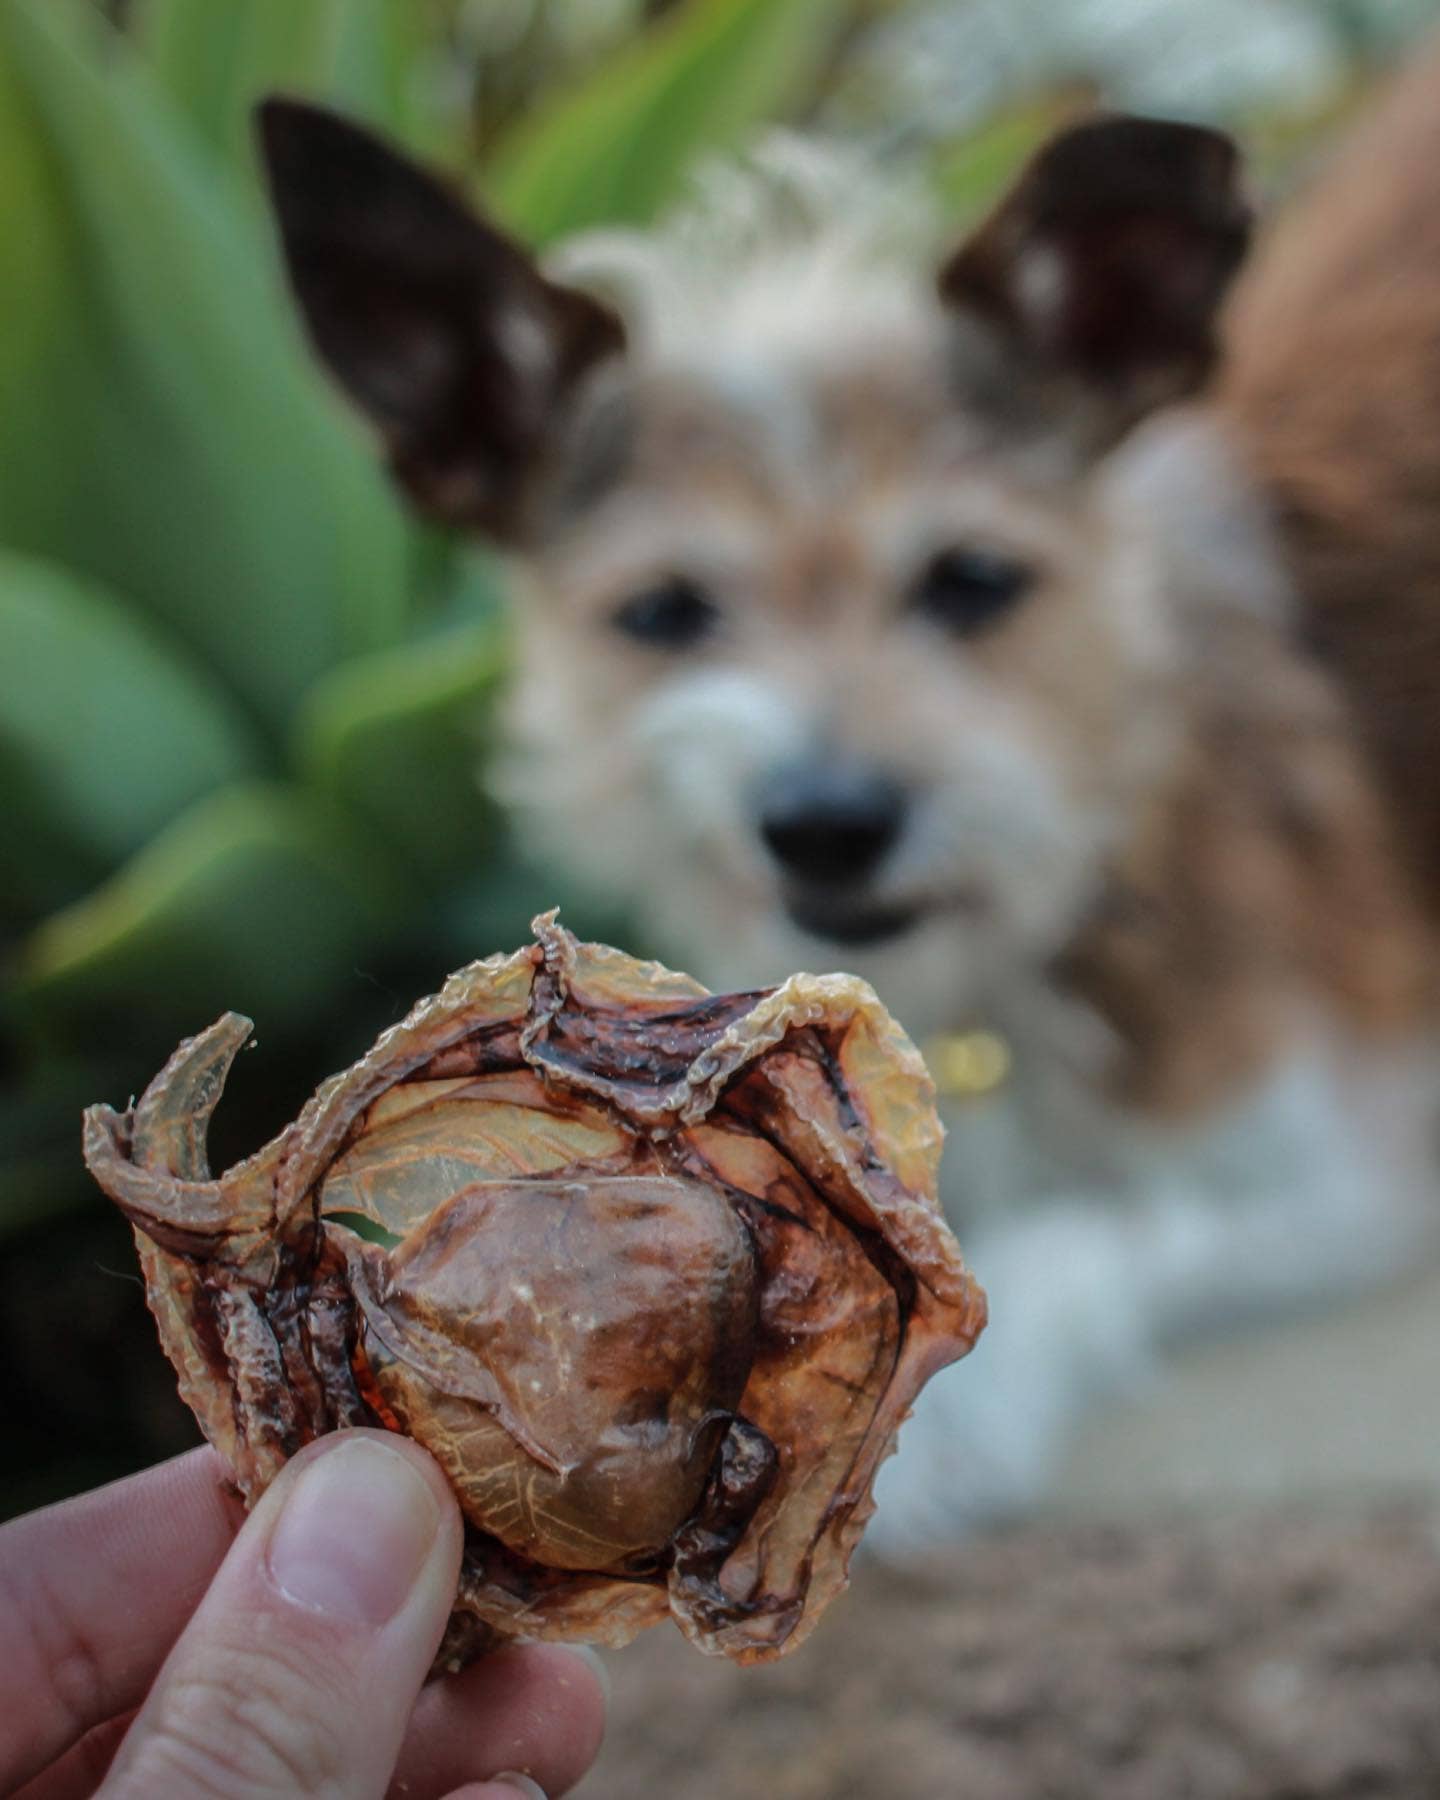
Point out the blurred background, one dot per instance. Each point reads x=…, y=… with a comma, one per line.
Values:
x=243, y=699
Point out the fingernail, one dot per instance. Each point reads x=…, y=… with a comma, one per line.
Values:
x=356, y=1531
x=522, y=1784
x=596, y=1663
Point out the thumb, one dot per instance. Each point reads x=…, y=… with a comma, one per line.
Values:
x=298, y=1672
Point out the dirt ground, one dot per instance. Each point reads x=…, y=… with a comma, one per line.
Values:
x=1237, y=1598
x=1272, y=1656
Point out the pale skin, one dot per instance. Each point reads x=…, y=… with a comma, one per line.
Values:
x=156, y=1642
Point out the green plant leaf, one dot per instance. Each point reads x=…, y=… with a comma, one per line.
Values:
x=41, y=1173
x=614, y=149
x=972, y=172
x=398, y=739
x=107, y=731
x=260, y=897
x=160, y=426
x=215, y=58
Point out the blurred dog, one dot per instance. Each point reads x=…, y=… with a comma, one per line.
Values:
x=914, y=625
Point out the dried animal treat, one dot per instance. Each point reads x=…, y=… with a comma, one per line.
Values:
x=654, y=1274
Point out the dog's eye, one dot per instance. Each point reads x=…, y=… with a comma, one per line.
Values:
x=675, y=614
x=963, y=590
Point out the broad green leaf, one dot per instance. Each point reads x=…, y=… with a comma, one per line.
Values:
x=107, y=731
x=41, y=1173
x=398, y=739
x=160, y=425
x=972, y=172
x=259, y=898
x=41, y=1183
x=616, y=148
x=493, y=910
x=215, y=58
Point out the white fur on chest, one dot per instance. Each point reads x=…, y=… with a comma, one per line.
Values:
x=1101, y=1239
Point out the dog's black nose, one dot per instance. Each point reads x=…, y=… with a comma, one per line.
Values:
x=828, y=822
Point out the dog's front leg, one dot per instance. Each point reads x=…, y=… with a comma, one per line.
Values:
x=1066, y=1325
x=1320, y=1185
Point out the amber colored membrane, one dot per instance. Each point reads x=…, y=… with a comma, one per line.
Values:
x=805, y=1109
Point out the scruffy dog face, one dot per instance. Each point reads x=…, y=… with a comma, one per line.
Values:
x=844, y=638
x=822, y=680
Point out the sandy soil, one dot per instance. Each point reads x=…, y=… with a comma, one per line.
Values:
x=1238, y=1598
x=1290, y=1656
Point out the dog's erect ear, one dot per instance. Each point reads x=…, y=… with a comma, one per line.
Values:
x=1109, y=257
x=440, y=328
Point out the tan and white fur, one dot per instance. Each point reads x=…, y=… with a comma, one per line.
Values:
x=930, y=628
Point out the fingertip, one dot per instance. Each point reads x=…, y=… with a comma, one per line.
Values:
x=501, y=1787
x=576, y=1686
x=351, y=1465
x=597, y=1666
x=539, y=1708
x=302, y=1664
x=395, y=1442
x=356, y=1535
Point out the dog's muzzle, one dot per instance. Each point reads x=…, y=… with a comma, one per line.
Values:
x=829, y=826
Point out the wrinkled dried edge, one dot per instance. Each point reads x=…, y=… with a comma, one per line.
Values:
x=263, y=1212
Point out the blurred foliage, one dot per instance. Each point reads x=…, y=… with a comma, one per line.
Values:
x=613, y=151
x=242, y=697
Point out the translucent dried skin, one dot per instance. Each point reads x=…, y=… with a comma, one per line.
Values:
x=614, y=1362
x=662, y=1274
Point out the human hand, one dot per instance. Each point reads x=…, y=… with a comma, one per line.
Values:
x=299, y=1671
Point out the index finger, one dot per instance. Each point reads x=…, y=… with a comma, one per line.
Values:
x=94, y=1592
